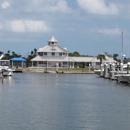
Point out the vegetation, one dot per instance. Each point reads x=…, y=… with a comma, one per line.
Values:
x=11, y=54
x=101, y=57
x=115, y=57
x=76, y=54
x=8, y=55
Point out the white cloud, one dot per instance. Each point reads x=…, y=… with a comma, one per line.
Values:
x=5, y=5
x=28, y=26
x=98, y=7
x=109, y=31
x=1, y=26
x=24, y=26
x=48, y=5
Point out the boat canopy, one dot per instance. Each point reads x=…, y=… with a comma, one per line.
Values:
x=18, y=59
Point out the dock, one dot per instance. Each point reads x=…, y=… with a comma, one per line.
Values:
x=18, y=70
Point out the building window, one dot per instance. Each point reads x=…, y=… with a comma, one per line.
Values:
x=53, y=53
x=97, y=63
x=60, y=54
x=44, y=62
x=45, y=53
x=40, y=62
x=64, y=63
x=40, y=53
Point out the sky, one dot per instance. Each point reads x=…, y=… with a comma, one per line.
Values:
x=89, y=27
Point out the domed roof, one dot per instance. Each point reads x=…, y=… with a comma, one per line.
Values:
x=52, y=39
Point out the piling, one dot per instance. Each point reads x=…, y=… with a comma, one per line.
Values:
x=113, y=71
x=106, y=71
x=102, y=70
x=121, y=67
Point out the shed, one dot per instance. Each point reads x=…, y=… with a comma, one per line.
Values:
x=18, y=59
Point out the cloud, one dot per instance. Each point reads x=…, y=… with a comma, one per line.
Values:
x=1, y=26
x=109, y=31
x=5, y=5
x=25, y=26
x=48, y=5
x=98, y=7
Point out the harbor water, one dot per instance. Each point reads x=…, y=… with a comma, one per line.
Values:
x=37, y=101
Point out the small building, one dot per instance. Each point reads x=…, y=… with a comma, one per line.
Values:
x=52, y=55
x=18, y=62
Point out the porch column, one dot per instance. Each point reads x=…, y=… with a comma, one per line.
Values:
x=22, y=64
x=72, y=64
x=32, y=63
x=37, y=63
x=77, y=65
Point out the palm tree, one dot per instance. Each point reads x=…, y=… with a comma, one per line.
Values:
x=115, y=57
x=32, y=52
x=8, y=51
x=35, y=51
x=101, y=57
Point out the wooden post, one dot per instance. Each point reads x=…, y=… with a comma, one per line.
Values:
x=121, y=66
x=113, y=71
x=102, y=66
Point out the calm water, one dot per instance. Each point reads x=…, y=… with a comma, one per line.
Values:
x=35, y=101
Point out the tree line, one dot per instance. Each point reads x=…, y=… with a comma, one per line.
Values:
x=11, y=54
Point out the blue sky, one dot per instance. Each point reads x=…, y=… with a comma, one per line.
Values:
x=90, y=27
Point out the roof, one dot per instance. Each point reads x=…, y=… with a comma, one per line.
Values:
x=52, y=58
x=18, y=59
x=72, y=59
x=52, y=48
x=52, y=39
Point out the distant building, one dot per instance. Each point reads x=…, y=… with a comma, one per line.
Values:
x=52, y=55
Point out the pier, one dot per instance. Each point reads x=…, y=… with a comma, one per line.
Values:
x=120, y=72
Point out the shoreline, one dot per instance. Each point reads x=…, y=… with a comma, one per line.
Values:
x=60, y=71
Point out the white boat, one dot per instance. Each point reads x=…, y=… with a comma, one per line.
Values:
x=97, y=72
x=49, y=71
x=6, y=71
x=121, y=78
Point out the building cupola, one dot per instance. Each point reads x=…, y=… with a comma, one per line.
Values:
x=52, y=41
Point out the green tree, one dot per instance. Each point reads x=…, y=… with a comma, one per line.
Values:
x=35, y=51
x=8, y=51
x=74, y=54
x=101, y=57
x=115, y=57
x=32, y=52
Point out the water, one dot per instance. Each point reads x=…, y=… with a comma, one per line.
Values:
x=35, y=101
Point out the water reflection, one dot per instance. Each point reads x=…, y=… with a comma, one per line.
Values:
x=6, y=80
x=31, y=101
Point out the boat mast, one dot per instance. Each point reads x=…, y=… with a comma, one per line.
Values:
x=122, y=50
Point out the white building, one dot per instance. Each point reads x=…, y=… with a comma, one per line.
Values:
x=52, y=55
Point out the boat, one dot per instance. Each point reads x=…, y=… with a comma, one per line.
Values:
x=121, y=78
x=6, y=71
x=49, y=71
x=98, y=72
